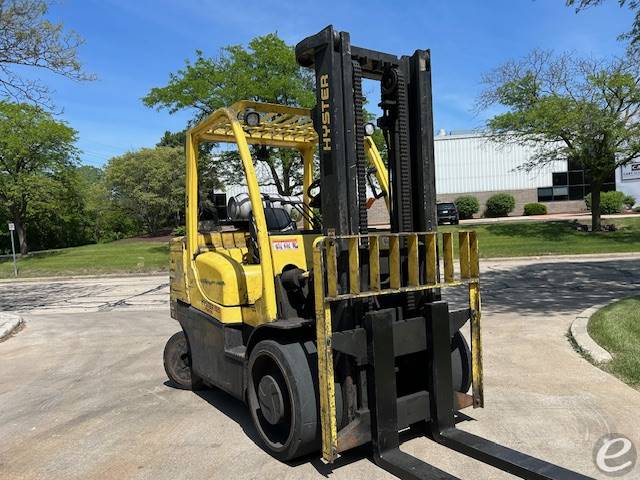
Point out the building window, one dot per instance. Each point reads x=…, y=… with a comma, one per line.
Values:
x=576, y=177
x=559, y=179
x=574, y=184
x=576, y=192
x=560, y=193
x=545, y=194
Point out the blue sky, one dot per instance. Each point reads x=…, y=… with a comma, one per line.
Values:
x=132, y=45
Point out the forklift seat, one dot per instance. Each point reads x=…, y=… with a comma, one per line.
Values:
x=279, y=220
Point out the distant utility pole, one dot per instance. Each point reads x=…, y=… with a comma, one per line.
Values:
x=12, y=228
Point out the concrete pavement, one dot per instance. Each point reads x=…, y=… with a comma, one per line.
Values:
x=82, y=295
x=82, y=395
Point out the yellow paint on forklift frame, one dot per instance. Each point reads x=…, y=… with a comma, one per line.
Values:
x=382, y=175
x=326, y=388
x=325, y=252
x=283, y=126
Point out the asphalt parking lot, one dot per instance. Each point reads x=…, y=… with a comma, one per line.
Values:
x=83, y=392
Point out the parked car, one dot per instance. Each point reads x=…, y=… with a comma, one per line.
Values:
x=448, y=213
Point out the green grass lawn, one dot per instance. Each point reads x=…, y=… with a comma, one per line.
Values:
x=116, y=257
x=519, y=239
x=616, y=328
x=515, y=239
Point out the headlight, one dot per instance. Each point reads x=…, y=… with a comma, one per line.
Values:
x=369, y=128
x=251, y=118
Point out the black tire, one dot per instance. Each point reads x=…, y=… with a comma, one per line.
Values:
x=460, y=363
x=282, y=397
x=177, y=363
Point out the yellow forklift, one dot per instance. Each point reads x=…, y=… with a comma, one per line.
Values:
x=335, y=333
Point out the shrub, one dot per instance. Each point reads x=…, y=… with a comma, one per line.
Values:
x=467, y=206
x=535, y=209
x=610, y=202
x=629, y=201
x=500, y=205
x=180, y=231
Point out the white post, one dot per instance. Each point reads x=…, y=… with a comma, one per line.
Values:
x=12, y=227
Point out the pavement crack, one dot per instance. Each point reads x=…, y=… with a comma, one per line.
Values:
x=108, y=306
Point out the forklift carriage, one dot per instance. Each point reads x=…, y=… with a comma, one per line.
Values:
x=336, y=334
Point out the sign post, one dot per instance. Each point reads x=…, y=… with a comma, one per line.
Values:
x=12, y=228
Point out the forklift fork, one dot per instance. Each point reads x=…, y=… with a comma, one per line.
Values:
x=381, y=381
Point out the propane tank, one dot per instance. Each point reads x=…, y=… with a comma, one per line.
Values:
x=239, y=206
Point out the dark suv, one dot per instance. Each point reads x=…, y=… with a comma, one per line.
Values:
x=448, y=213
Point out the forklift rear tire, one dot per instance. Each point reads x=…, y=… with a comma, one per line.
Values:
x=283, y=399
x=177, y=363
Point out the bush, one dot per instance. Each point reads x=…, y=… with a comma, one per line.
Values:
x=500, y=205
x=180, y=231
x=629, y=201
x=535, y=209
x=467, y=206
x=610, y=202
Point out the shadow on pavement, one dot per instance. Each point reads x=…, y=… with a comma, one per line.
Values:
x=549, y=288
x=238, y=412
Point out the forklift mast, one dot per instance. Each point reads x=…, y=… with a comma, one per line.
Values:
x=407, y=124
x=372, y=324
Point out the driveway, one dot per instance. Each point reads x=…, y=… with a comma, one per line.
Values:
x=83, y=395
x=78, y=295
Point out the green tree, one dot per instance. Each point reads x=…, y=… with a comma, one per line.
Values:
x=634, y=34
x=264, y=71
x=208, y=165
x=29, y=40
x=57, y=217
x=103, y=220
x=36, y=153
x=585, y=111
x=148, y=185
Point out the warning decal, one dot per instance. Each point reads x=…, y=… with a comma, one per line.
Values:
x=285, y=244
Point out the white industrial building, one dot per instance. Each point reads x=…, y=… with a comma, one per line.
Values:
x=472, y=164
x=469, y=163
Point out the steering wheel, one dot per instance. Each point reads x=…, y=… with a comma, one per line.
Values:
x=314, y=200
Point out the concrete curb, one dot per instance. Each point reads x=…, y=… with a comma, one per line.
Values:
x=581, y=335
x=8, y=324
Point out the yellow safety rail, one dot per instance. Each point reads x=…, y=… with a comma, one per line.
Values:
x=279, y=126
x=421, y=249
x=382, y=174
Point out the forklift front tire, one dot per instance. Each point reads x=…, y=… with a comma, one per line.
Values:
x=177, y=363
x=283, y=400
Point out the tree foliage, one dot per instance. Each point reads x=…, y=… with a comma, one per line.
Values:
x=148, y=185
x=37, y=154
x=27, y=39
x=583, y=110
x=265, y=71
